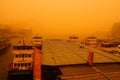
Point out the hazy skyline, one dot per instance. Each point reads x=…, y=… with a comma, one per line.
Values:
x=61, y=17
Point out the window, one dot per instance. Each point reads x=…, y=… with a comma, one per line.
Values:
x=22, y=65
x=16, y=55
x=20, y=55
x=29, y=55
x=29, y=64
x=15, y=64
x=23, y=47
x=18, y=65
x=25, y=64
x=23, y=55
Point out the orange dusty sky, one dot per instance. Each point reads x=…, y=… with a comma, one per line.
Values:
x=60, y=17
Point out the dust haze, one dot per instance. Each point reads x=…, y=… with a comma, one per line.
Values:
x=60, y=18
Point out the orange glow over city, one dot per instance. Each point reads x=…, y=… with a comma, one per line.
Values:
x=58, y=18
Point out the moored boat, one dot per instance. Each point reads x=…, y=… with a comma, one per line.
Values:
x=22, y=64
x=37, y=42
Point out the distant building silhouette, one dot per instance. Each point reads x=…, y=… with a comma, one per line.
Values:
x=115, y=33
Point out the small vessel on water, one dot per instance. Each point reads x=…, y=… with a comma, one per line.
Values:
x=37, y=42
x=22, y=64
x=73, y=39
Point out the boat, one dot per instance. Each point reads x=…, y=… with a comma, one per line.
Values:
x=37, y=42
x=73, y=39
x=22, y=65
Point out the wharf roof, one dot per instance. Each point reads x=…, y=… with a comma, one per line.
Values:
x=60, y=52
x=95, y=72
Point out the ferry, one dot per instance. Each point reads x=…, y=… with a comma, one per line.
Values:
x=73, y=39
x=91, y=41
x=37, y=42
x=22, y=64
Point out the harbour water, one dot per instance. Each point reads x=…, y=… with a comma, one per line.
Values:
x=6, y=57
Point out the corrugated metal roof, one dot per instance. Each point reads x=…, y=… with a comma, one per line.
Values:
x=59, y=52
x=96, y=72
x=111, y=57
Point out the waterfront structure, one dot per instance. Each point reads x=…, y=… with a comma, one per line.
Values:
x=110, y=47
x=67, y=61
x=63, y=60
x=91, y=41
x=22, y=64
